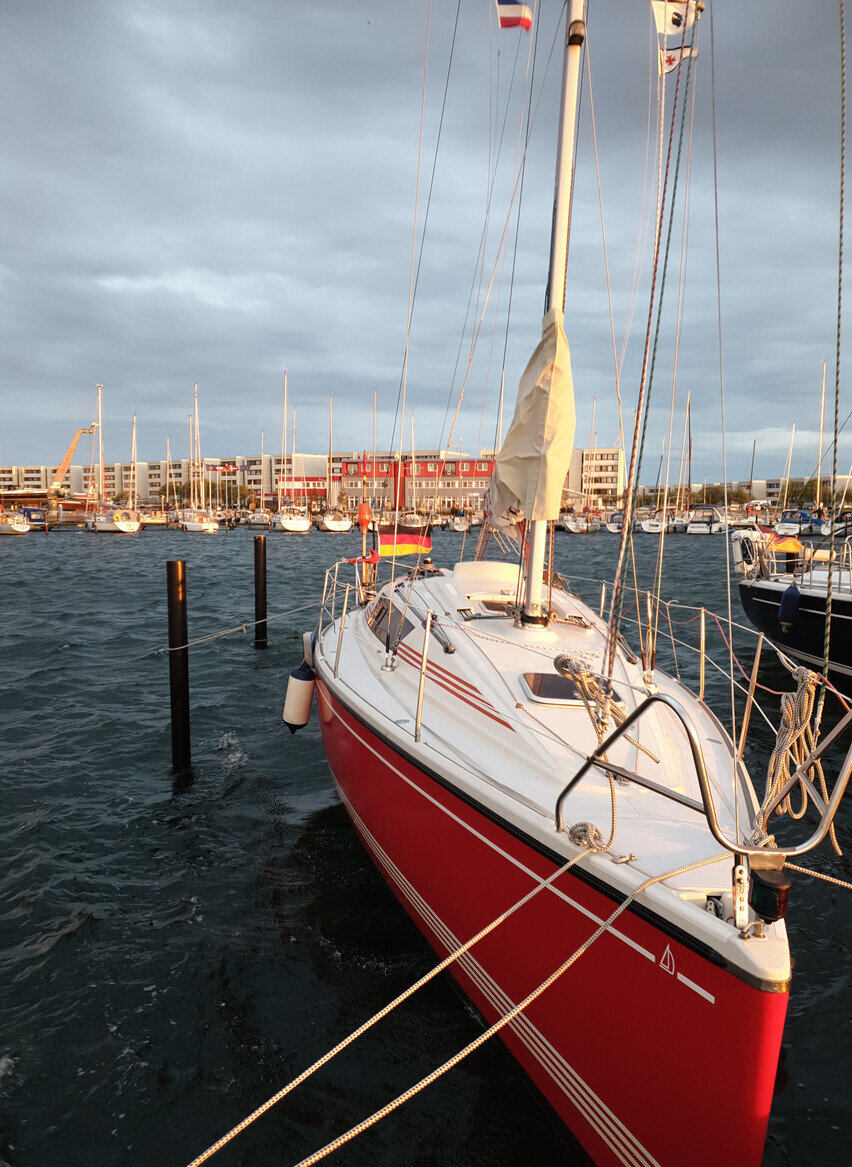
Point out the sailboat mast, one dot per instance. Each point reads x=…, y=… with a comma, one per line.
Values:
x=821, y=420
x=328, y=463
x=689, y=469
x=413, y=469
x=191, y=465
x=284, y=437
x=787, y=467
x=100, y=450
x=751, y=471
x=133, y=491
x=283, y=451
x=575, y=35
x=679, y=505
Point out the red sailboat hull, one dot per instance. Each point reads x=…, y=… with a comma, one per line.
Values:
x=649, y=1049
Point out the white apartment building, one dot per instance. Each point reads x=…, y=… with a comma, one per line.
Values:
x=439, y=479
x=595, y=476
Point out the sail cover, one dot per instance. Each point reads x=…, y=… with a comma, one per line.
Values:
x=530, y=469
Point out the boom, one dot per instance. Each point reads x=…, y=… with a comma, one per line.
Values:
x=62, y=468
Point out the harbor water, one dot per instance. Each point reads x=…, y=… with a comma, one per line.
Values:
x=174, y=951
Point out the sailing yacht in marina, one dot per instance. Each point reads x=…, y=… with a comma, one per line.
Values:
x=198, y=518
x=574, y=830
x=332, y=518
x=290, y=518
x=112, y=520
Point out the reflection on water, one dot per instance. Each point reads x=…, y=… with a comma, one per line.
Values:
x=171, y=952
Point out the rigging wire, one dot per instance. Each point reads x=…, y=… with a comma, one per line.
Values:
x=400, y=402
x=531, y=63
x=635, y=454
x=722, y=399
x=830, y=573
x=658, y=575
x=615, y=361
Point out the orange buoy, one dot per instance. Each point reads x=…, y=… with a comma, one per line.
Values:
x=364, y=516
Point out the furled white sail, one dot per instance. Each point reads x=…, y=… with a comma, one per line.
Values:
x=530, y=469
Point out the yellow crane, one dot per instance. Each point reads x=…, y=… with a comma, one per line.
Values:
x=53, y=491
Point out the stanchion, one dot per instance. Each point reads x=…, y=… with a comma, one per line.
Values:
x=260, y=640
x=178, y=664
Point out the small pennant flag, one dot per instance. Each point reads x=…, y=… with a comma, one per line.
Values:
x=673, y=17
x=671, y=58
x=513, y=14
x=401, y=539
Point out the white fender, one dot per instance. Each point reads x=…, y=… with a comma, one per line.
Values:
x=299, y=698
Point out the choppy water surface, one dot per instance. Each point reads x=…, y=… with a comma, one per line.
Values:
x=173, y=952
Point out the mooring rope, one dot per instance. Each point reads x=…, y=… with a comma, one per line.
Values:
x=445, y=963
x=501, y=1023
x=819, y=875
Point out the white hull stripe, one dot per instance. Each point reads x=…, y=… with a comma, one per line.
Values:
x=606, y=1124
x=578, y=907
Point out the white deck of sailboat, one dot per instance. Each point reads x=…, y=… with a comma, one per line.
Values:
x=483, y=730
x=814, y=580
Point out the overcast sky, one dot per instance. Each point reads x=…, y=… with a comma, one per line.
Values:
x=210, y=191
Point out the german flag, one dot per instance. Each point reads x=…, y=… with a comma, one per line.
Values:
x=401, y=539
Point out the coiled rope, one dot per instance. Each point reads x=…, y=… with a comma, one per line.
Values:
x=796, y=741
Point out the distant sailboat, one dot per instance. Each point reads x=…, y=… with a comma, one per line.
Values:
x=332, y=519
x=107, y=520
x=290, y=519
x=198, y=520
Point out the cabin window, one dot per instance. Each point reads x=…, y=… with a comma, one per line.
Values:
x=554, y=689
x=377, y=621
x=499, y=606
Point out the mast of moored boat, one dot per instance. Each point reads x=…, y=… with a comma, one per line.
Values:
x=821, y=420
x=328, y=461
x=101, y=499
x=413, y=470
x=260, y=480
x=133, y=488
x=787, y=467
x=575, y=35
x=284, y=446
x=202, y=499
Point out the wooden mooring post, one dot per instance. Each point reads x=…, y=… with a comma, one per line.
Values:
x=178, y=664
x=260, y=640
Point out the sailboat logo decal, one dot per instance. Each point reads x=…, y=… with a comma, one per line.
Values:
x=667, y=960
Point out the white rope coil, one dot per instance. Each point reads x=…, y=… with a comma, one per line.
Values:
x=796, y=741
